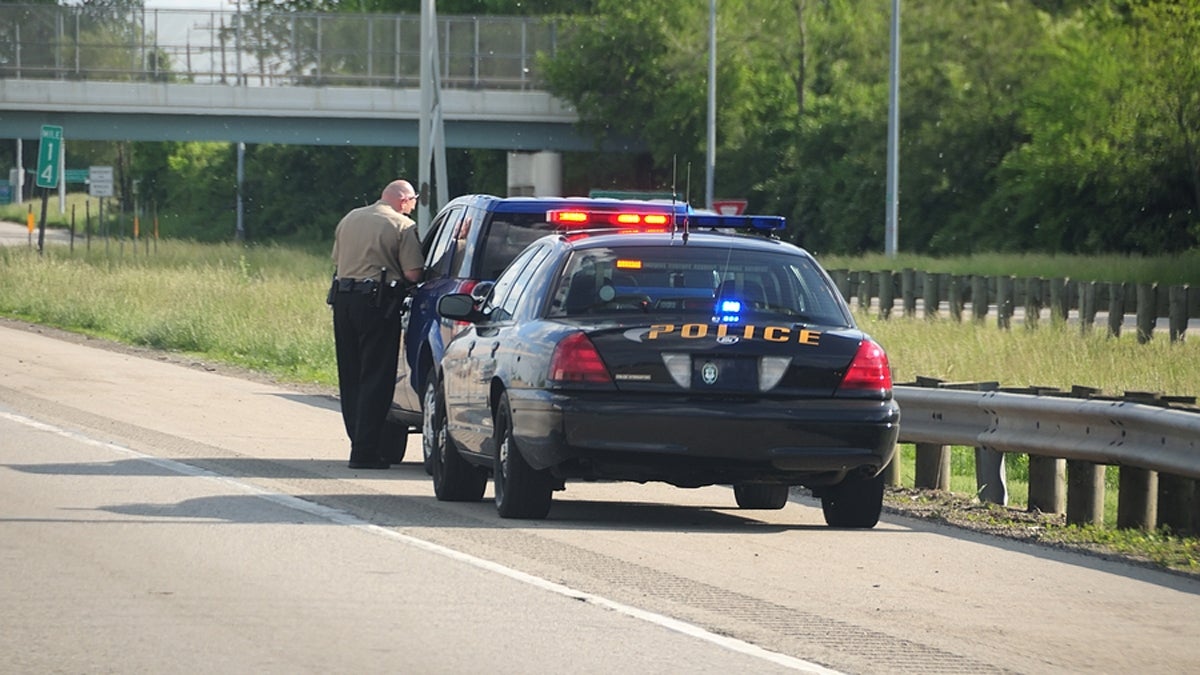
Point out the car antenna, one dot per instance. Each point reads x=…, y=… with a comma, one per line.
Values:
x=688, y=192
x=674, y=158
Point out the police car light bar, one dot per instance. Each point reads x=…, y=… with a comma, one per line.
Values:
x=585, y=218
x=736, y=222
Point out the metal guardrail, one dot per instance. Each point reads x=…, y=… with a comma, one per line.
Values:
x=1099, y=431
x=265, y=48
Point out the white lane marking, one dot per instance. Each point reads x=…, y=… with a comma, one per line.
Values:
x=342, y=518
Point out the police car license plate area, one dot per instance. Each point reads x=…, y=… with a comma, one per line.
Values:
x=732, y=374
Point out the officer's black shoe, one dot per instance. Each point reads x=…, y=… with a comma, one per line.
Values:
x=369, y=464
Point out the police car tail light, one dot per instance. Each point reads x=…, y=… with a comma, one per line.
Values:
x=576, y=361
x=680, y=368
x=771, y=370
x=869, y=372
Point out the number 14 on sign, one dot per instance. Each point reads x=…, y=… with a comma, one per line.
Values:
x=49, y=156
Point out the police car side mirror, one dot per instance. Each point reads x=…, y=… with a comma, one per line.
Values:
x=459, y=307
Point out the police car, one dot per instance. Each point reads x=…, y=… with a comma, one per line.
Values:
x=662, y=351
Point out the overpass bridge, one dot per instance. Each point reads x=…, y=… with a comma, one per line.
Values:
x=271, y=77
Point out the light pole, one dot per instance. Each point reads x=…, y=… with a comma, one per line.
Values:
x=711, y=164
x=891, y=236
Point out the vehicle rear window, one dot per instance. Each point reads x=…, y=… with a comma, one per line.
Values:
x=721, y=283
x=507, y=235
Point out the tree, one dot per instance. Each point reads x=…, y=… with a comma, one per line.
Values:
x=1112, y=128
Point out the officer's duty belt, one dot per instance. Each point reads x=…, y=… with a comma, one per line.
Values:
x=346, y=285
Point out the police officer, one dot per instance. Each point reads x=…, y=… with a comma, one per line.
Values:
x=377, y=255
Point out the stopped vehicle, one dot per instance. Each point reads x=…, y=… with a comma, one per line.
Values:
x=678, y=352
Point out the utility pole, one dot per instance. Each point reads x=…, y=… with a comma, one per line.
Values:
x=431, y=137
x=891, y=235
x=711, y=164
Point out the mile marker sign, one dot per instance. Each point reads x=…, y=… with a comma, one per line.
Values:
x=49, y=155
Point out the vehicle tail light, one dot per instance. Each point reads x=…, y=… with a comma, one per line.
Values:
x=576, y=361
x=465, y=287
x=869, y=371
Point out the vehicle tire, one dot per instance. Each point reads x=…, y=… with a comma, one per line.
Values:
x=428, y=400
x=454, y=478
x=760, y=495
x=854, y=503
x=394, y=441
x=521, y=491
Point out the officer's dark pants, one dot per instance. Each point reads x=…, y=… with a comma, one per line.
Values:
x=367, y=341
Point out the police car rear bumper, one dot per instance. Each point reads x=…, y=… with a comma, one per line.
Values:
x=689, y=441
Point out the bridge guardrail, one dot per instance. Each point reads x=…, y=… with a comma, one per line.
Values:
x=257, y=48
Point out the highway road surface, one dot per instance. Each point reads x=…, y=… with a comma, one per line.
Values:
x=160, y=516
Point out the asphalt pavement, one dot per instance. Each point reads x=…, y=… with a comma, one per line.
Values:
x=17, y=234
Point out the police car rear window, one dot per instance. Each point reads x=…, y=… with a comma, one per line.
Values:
x=724, y=284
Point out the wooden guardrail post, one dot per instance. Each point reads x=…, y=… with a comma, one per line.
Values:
x=1004, y=302
x=887, y=294
x=841, y=279
x=1177, y=302
x=1137, y=501
x=1116, y=308
x=933, y=467
x=954, y=296
x=1047, y=484
x=931, y=293
x=1147, y=312
x=1085, y=493
x=1033, y=301
x=1087, y=306
x=979, y=297
x=864, y=291
x=1060, y=303
x=908, y=291
x=1178, y=503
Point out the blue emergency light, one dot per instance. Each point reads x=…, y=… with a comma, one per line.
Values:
x=716, y=221
x=728, y=311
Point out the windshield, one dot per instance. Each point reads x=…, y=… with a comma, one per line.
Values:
x=724, y=284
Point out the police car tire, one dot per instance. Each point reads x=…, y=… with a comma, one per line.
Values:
x=454, y=479
x=760, y=495
x=853, y=503
x=521, y=491
x=429, y=396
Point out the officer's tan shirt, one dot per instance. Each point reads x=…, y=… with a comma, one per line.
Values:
x=373, y=237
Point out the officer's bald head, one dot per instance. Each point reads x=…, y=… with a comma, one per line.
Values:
x=397, y=193
x=400, y=196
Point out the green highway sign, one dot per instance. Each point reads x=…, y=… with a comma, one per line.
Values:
x=75, y=175
x=49, y=156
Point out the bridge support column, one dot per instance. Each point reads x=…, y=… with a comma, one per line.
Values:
x=534, y=174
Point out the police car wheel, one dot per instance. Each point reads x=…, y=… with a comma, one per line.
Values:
x=521, y=491
x=454, y=479
x=760, y=495
x=854, y=503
